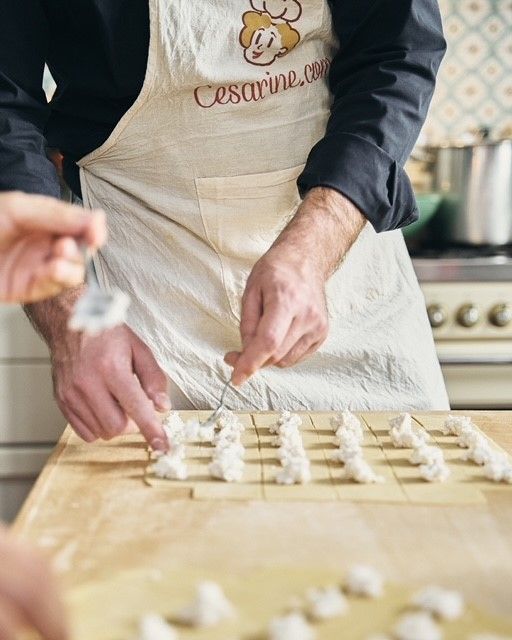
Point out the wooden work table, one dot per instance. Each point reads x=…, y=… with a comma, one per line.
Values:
x=93, y=514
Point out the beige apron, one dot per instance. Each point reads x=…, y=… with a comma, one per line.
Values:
x=199, y=177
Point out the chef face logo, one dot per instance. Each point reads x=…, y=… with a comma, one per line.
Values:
x=267, y=34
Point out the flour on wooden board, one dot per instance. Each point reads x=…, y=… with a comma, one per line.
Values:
x=419, y=619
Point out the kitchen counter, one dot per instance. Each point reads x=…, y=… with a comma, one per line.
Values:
x=92, y=513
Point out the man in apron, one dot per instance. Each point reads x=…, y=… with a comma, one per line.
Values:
x=245, y=106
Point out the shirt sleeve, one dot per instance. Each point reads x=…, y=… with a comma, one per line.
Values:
x=382, y=79
x=23, y=106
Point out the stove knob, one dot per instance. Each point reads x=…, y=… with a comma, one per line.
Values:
x=468, y=315
x=436, y=315
x=501, y=315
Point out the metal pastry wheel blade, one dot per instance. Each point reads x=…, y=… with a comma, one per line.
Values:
x=98, y=310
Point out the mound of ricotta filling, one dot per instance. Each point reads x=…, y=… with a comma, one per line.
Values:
x=363, y=580
x=404, y=435
x=208, y=608
x=153, y=627
x=325, y=603
x=417, y=626
x=442, y=603
x=292, y=626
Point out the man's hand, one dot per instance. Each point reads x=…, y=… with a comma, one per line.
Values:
x=101, y=382
x=39, y=245
x=28, y=593
x=284, y=314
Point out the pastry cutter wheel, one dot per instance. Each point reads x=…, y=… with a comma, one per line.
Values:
x=98, y=310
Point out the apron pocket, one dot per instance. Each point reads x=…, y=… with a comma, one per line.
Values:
x=242, y=216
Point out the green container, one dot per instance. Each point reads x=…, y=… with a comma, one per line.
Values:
x=428, y=204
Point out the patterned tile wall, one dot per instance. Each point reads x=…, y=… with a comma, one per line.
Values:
x=475, y=80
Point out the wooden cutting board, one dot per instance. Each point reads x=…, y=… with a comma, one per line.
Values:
x=104, y=528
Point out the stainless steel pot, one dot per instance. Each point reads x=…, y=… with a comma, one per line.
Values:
x=476, y=184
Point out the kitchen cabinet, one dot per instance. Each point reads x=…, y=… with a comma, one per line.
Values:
x=30, y=421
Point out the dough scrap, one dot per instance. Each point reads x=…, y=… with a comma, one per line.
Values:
x=417, y=626
x=442, y=603
x=293, y=626
x=325, y=603
x=363, y=580
x=153, y=627
x=209, y=607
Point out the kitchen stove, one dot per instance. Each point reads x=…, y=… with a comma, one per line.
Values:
x=468, y=294
x=464, y=264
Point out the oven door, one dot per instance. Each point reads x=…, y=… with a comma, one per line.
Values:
x=478, y=374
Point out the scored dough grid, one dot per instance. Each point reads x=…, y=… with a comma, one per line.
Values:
x=466, y=485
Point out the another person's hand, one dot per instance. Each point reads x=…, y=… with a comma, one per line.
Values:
x=28, y=594
x=39, y=245
x=284, y=311
x=102, y=382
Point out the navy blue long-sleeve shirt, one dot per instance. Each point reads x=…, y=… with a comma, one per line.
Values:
x=382, y=79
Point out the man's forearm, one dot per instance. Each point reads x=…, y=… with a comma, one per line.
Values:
x=50, y=317
x=324, y=228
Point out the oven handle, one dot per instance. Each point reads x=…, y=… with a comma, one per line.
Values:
x=503, y=360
